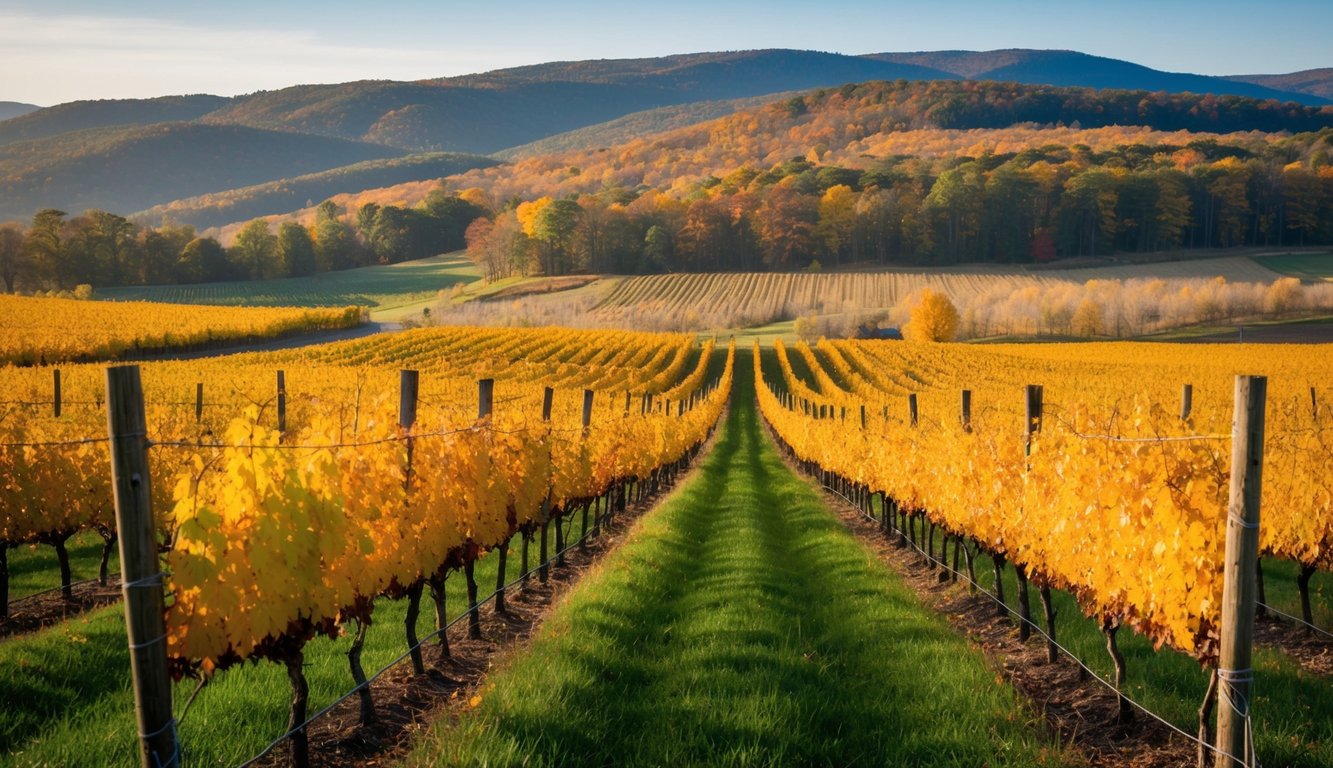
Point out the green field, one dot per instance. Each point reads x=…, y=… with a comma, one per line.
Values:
x=1307, y=266
x=390, y=291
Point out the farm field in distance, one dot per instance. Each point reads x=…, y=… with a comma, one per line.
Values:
x=1307, y=266
x=389, y=291
x=765, y=304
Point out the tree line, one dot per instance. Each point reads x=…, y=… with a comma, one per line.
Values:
x=1038, y=204
x=56, y=251
x=1031, y=206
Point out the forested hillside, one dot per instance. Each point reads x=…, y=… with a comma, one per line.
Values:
x=923, y=173
x=637, y=125
x=565, y=106
x=1072, y=68
x=496, y=110
x=1316, y=82
x=129, y=169
x=216, y=209
x=82, y=115
x=12, y=109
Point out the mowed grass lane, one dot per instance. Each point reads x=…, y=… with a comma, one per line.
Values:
x=741, y=624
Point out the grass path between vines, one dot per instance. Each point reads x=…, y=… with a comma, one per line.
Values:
x=742, y=624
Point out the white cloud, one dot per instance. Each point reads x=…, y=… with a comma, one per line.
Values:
x=49, y=60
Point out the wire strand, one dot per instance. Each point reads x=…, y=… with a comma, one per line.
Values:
x=421, y=642
x=1297, y=620
x=1049, y=639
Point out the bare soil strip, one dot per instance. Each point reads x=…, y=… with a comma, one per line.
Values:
x=39, y=611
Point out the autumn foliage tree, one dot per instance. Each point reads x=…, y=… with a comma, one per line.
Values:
x=934, y=318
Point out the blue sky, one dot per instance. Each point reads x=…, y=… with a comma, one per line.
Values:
x=59, y=50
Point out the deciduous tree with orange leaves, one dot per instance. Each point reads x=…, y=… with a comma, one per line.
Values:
x=934, y=318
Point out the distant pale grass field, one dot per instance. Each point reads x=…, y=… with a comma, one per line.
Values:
x=1307, y=266
x=1109, y=301
x=380, y=288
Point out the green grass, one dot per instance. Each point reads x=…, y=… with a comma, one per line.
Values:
x=765, y=334
x=1281, y=592
x=741, y=624
x=1202, y=331
x=34, y=568
x=1307, y=266
x=1293, y=726
x=406, y=285
x=68, y=699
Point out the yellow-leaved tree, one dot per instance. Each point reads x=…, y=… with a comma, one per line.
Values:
x=934, y=318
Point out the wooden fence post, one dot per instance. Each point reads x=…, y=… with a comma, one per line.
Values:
x=55, y=392
x=1033, y=412
x=548, y=396
x=485, y=405
x=1186, y=401
x=911, y=408
x=967, y=410
x=198, y=402
x=1033, y=409
x=1234, y=675
x=408, y=386
x=485, y=397
x=141, y=581
x=282, y=402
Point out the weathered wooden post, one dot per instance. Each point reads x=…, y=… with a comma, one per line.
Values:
x=140, y=578
x=282, y=402
x=408, y=386
x=1234, y=675
x=1033, y=424
x=485, y=404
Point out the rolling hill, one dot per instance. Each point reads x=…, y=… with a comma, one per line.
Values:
x=83, y=115
x=871, y=125
x=218, y=208
x=1071, y=68
x=637, y=125
x=517, y=112
x=12, y=109
x=505, y=108
x=1316, y=82
x=129, y=169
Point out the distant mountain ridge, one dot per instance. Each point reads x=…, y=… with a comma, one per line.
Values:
x=493, y=111
x=1316, y=82
x=47, y=157
x=1075, y=69
x=103, y=113
x=129, y=169
x=11, y=109
x=290, y=194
